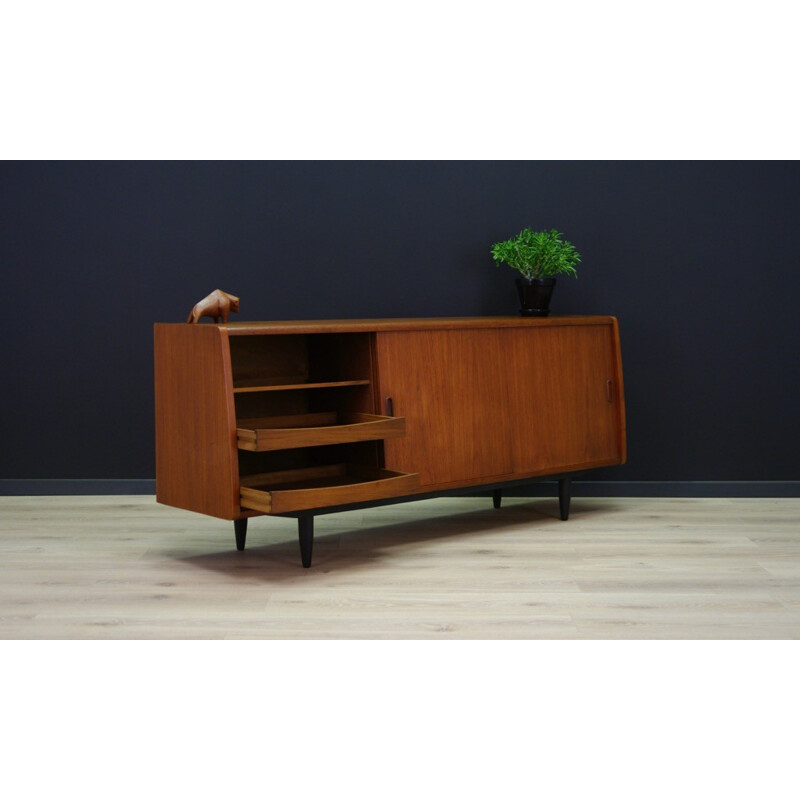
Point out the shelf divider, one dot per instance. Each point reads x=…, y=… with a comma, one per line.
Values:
x=286, y=387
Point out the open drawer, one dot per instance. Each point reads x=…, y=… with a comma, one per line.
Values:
x=318, y=487
x=310, y=430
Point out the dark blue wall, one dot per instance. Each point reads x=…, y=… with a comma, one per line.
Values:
x=699, y=261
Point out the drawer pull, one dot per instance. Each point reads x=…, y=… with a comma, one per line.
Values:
x=609, y=391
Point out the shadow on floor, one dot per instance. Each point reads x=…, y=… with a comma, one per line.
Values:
x=368, y=544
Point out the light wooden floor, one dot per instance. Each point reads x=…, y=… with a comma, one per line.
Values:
x=450, y=568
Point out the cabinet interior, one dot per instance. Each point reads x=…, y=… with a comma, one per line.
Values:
x=300, y=358
x=293, y=375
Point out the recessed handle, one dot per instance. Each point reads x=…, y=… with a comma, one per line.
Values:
x=389, y=407
x=610, y=390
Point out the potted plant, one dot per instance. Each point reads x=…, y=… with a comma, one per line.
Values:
x=538, y=256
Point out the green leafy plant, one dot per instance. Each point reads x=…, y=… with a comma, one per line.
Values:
x=540, y=254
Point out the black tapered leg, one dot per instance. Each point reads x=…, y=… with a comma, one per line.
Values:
x=240, y=529
x=497, y=497
x=564, y=494
x=305, y=530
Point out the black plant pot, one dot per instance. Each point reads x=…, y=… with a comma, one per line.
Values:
x=534, y=296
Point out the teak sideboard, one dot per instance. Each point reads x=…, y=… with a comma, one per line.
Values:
x=300, y=418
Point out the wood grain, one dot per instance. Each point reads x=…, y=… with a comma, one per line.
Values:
x=267, y=361
x=565, y=396
x=516, y=402
x=622, y=442
x=290, y=387
x=292, y=475
x=444, y=569
x=263, y=434
x=196, y=455
x=236, y=329
x=451, y=386
x=343, y=484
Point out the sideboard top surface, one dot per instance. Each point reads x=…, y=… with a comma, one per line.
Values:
x=401, y=324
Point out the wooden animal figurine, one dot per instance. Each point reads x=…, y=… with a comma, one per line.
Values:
x=217, y=304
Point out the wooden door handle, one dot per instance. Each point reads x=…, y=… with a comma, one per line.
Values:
x=389, y=407
x=610, y=391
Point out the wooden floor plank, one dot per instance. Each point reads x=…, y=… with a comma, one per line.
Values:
x=450, y=568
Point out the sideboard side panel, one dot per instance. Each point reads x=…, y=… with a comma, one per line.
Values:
x=622, y=436
x=196, y=465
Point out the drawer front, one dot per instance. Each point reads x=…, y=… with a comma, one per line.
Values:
x=340, y=486
x=311, y=430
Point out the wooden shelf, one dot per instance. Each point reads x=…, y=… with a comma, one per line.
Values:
x=287, y=387
x=318, y=487
x=310, y=430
